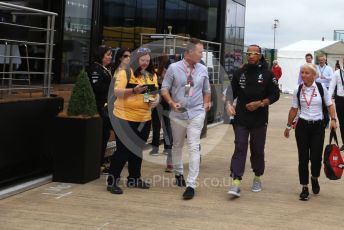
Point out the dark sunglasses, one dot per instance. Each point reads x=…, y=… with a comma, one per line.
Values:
x=126, y=55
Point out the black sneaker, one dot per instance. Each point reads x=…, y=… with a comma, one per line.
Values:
x=189, y=193
x=154, y=151
x=304, y=194
x=315, y=185
x=138, y=183
x=114, y=189
x=180, y=181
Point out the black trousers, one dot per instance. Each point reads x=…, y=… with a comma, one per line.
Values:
x=310, y=144
x=131, y=137
x=160, y=117
x=107, y=127
x=340, y=113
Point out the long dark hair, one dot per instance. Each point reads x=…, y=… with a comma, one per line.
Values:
x=100, y=52
x=162, y=63
x=118, y=57
x=136, y=66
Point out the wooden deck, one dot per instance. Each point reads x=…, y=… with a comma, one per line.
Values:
x=90, y=206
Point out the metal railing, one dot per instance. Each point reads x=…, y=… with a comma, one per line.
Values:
x=17, y=51
x=174, y=44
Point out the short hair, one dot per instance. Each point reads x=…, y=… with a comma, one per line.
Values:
x=192, y=44
x=310, y=66
x=322, y=55
x=275, y=62
x=254, y=45
x=309, y=55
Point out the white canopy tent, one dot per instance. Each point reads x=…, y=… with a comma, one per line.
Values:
x=291, y=57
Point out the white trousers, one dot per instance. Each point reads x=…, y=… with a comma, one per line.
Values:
x=192, y=129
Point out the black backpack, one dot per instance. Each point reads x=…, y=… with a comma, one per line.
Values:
x=341, y=78
x=324, y=107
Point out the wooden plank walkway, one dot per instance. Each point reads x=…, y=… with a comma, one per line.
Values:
x=89, y=206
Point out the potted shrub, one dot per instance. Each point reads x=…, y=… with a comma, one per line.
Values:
x=78, y=137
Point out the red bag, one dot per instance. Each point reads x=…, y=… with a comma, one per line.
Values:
x=333, y=161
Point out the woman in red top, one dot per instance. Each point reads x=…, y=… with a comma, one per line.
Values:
x=276, y=69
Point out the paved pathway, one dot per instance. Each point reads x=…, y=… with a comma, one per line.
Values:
x=89, y=206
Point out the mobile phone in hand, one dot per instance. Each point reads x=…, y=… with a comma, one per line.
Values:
x=182, y=109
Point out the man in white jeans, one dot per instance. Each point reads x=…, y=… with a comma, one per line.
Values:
x=186, y=88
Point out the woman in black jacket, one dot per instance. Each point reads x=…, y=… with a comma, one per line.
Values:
x=100, y=77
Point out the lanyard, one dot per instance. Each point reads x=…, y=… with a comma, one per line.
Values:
x=308, y=103
x=322, y=69
x=144, y=74
x=192, y=70
x=104, y=68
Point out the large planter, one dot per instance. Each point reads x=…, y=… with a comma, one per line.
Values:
x=25, y=143
x=77, y=149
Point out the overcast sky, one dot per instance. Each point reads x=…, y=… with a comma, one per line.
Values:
x=299, y=20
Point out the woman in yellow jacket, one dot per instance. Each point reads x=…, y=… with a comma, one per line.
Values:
x=136, y=96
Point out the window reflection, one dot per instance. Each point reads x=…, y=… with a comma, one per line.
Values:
x=124, y=20
x=234, y=36
x=76, y=39
x=192, y=18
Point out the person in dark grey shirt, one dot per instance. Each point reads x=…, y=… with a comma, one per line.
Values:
x=255, y=88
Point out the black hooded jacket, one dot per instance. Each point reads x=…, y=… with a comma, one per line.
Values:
x=253, y=83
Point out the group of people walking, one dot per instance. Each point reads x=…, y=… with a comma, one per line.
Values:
x=181, y=110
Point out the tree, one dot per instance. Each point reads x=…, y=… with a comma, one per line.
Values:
x=82, y=101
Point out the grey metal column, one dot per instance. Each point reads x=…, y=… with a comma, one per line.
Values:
x=28, y=69
x=45, y=76
x=51, y=45
x=3, y=71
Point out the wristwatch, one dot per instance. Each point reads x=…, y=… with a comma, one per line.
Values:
x=333, y=119
x=288, y=126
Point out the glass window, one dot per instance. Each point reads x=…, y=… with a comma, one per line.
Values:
x=76, y=39
x=125, y=20
x=234, y=36
x=175, y=16
x=147, y=13
x=193, y=18
x=240, y=16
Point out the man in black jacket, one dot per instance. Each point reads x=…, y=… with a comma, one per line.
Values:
x=255, y=88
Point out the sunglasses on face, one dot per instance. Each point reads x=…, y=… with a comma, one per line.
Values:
x=143, y=50
x=252, y=53
x=126, y=55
